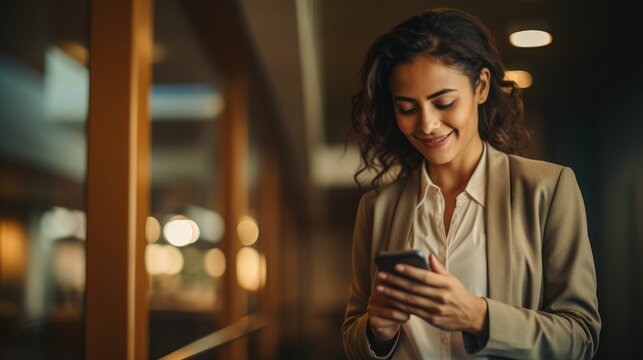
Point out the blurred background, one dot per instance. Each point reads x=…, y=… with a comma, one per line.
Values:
x=274, y=242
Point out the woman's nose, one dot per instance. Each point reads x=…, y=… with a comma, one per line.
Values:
x=428, y=121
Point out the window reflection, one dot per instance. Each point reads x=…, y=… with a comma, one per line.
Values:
x=184, y=257
x=43, y=108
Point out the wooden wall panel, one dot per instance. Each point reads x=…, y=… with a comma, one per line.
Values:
x=118, y=179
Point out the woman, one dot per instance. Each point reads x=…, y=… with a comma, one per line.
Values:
x=512, y=273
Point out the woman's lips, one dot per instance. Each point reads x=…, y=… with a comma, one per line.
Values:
x=435, y=141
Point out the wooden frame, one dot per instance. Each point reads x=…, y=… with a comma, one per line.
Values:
x=118, y=187
x=118, y=179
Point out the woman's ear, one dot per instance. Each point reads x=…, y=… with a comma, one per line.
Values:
x=483, y=85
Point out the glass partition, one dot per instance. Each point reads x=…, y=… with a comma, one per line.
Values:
x=184, y=257
x=43, y=108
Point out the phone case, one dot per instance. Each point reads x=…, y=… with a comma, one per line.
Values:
x=386, y=260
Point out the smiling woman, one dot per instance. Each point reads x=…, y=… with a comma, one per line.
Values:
x=511, y=268
x=442, y=126
x=465, y=49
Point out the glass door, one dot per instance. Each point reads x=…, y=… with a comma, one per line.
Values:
x=44, y=86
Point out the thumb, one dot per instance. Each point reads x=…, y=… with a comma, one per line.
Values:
x=436, y=266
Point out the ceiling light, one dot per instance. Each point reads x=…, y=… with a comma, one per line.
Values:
x=530, y=38
x=523, y=79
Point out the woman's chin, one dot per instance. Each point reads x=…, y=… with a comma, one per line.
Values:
x=438, y=159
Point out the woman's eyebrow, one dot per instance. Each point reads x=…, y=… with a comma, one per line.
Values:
x=435, y=94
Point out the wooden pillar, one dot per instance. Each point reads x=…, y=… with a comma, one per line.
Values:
x=234, y=142
x=269, y=221
x=118, y=179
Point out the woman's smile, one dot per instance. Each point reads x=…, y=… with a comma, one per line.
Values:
x=434, y=141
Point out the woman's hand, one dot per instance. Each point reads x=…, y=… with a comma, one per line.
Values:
x=384, y=316
x=436, y=296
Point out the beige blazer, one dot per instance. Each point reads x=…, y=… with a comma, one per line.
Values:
x=542, y=282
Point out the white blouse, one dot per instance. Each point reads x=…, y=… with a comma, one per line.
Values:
x=462, y=251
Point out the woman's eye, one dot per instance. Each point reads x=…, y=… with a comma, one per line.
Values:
x=407, y=111
x=444, y=106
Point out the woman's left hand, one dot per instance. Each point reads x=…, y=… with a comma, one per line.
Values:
x=436, y=296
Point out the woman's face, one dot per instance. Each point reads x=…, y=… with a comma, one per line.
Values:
x=437, y=110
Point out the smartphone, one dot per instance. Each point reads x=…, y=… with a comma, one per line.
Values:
x=386, y=260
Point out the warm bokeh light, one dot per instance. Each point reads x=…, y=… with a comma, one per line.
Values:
x=215, y=263
x=163, y=259
x=13, y=251
x=180, y=231
x=210, y=222
x=522, y=78
x=248, y=230
x=152, y=229
x=196, y=232
x=153, y=259
x=69, y=265
x=530, y=38
x=251, y=269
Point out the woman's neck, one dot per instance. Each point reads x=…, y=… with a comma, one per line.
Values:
x=453, y=177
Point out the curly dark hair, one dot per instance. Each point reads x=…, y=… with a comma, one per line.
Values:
x=457, y=39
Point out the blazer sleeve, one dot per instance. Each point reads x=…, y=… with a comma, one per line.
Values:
x=355, y=319
x=567, y=325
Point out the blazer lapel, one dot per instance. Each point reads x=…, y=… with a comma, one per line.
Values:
x=498, y=226
x=404, y=214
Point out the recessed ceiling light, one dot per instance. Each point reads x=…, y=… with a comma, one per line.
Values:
x=530, y=38
x=522, y=78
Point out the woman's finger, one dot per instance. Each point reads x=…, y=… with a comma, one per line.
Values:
x=430, y=312
x=406, y=301
x=423, y=276
x=409, y=285
x=386, y=316
x=437, y=266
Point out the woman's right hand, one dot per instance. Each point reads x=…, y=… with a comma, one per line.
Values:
x=384, y=317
